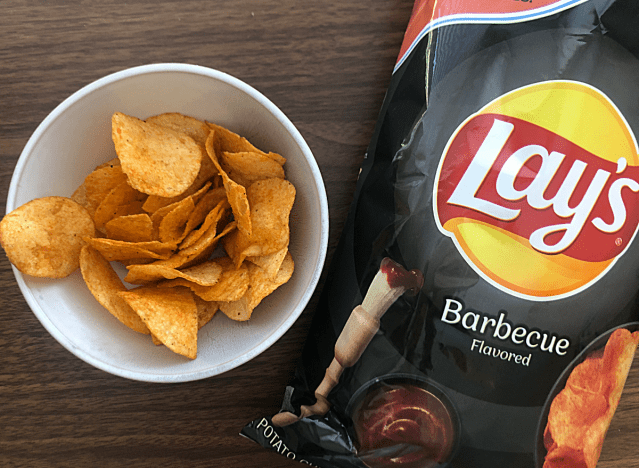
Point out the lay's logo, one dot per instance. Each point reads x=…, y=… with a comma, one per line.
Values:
x=539, y=190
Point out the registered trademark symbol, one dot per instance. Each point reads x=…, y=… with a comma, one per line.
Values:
x=618, y=241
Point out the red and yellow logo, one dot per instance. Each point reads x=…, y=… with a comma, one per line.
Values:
x=539, y=189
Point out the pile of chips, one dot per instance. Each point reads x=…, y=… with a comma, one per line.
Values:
x=581, y=413
x=197, y=214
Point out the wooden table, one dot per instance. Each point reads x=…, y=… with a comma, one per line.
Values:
x=326, y=65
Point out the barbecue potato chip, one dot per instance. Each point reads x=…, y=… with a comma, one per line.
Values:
x=173, y=226
x=181, y=207
x=278, y=158
x=111, y=205
x=207, y=203
x=79, y=195
x=196, y=129
x=178, y=260
x=209, y=223
x=260, y=286
x=247, y=167
x=581, y=413
x=157, y=160
x=205, y=311
x=105, y=284
x=115, y=250
x=231, y=286
x=271, y=201
x=230, y=141
x=234, y=143
x=170, y=315
x=270, y=263
x=617, y=360
x=204, y=274
x=43, y=237
x=206, y=245
x=235, y=192
x=208, y=173
x=208, y=235
x=130, y=228
x=128, y=209
x=97, y=185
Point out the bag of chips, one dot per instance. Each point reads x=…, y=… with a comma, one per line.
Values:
x=481, y=308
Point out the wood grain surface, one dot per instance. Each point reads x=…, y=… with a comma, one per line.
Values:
x=327, y=65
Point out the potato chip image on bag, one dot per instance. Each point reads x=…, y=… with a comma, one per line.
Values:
x=581, y=413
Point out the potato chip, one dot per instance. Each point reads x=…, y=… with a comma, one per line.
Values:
x=97, y=185
x=157, y=160
x=235, y=193
x=196, y=129
x=177, y=260
x=170, y=315
x=248, y=167
x=178, y=207
x=204, y=206
x=130, y=208
x=207, y=173
x=115, y=250
x=234, y=143
x=261, y=285
x=231, y=286
x=230, y=141
x=105, y=284
x=581, y=413
x=270, y=263
x=204, y=248
x=210, y=237
x=231, y=248
x=121, y=195
x=586, y=377
x=205, y=311
x=281, y=160
x=204, y=274
x=158, y=215
x=271, y=201
x=209, y=223
x=173, y=226
x=43, y=237
x=101, y=181
x=131, y=228
x=617, y=360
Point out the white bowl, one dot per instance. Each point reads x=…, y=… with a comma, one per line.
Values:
x=76, y=137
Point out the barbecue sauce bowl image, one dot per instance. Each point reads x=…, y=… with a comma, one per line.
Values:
x=404, y=422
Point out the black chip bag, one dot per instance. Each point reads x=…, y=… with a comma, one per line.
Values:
x=481, y=308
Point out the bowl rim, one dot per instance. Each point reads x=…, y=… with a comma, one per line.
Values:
x=318, y=182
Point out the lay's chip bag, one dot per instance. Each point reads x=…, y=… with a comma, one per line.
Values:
x=482, y=306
